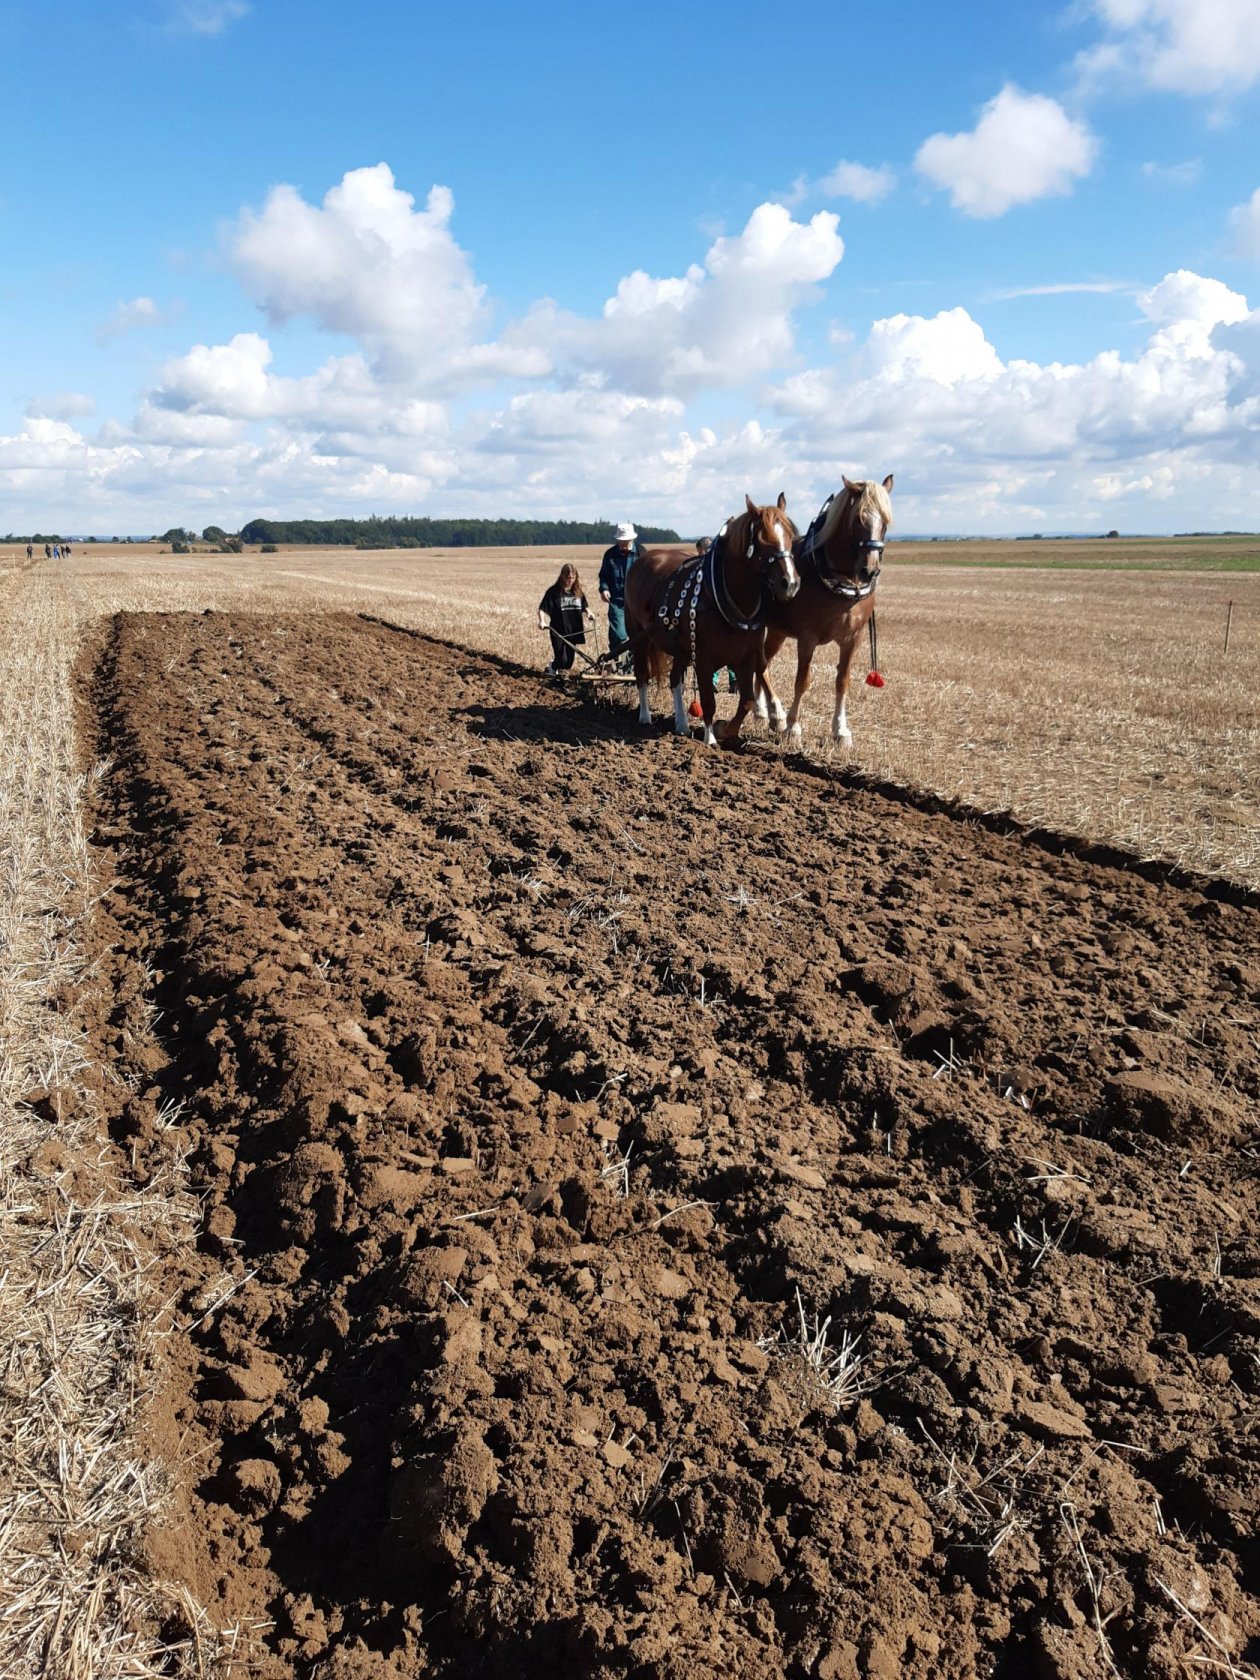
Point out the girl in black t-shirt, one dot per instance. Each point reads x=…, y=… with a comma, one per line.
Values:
x=564, y=612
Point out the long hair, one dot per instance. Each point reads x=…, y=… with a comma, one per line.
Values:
x=871, y=498
x=577, y=581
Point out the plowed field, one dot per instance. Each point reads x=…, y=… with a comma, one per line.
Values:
x=549, y=1083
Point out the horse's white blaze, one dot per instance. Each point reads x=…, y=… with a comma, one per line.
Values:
x=789, y=569
x=681, y=726
x=645, y=709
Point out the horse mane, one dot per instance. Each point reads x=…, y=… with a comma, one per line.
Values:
x=871, y=498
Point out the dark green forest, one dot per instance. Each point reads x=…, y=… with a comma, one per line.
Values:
x=442, y=533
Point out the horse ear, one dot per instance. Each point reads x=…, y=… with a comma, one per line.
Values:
x=850, y=486
x=781, y=504
x=752, y=506
x=888, y=482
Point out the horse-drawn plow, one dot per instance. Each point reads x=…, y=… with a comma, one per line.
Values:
x=665, y=1213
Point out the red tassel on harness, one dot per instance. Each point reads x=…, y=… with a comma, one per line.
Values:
x=874, y=680
x=696, y=709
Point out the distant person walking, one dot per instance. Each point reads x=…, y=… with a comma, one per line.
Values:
x=47, y=551
x=30, y=552
x=563, y=611
x=616, y=563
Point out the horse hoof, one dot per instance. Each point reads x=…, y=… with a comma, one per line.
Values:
x=842, y=737
x=795, y=739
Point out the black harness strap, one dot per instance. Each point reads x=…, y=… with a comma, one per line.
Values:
x=723, y=600
x=846, y=588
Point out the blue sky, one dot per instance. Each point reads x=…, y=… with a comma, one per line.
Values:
x=930, y=240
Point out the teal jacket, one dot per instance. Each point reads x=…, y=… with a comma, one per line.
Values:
x=612, y=572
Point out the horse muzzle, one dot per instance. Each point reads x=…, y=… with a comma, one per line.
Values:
x=784, y=582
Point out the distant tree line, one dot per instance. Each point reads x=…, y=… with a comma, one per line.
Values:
x=441, y=533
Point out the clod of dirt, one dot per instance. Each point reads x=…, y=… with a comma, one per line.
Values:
x=1166, y=1108
x=253, y=1484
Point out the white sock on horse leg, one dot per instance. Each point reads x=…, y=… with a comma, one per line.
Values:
x=761, y=706
x=840, y=730
x=681, y=726
x=645, y=709
x=780, y=715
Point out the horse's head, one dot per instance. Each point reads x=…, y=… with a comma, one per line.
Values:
x=771, y=535
x=853, y=533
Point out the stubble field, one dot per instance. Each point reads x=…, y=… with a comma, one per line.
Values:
x=544, y=1086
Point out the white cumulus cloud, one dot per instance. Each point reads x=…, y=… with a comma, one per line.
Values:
x=722, y=323
x=368, y=264
x=1181, y=46
x=132, y=315
x=1024, y=147
x=981, y=443
x=858, y=181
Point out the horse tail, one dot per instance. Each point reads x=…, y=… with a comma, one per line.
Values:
x=659, y=664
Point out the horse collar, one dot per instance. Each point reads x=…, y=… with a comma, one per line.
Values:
x=722, y=597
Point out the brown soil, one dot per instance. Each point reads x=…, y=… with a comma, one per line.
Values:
x=435, y=947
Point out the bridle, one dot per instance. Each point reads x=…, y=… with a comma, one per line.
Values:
x=776, y=555
x=849, y=589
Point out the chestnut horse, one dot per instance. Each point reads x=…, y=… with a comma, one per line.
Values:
x=709, y=610
x=840, y=560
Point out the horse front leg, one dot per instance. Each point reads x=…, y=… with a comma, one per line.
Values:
x=747, y=676
x=708, y=698
x=840, y=731
x=804, y=660
x=677, y=682
x=769, y=706
x=643, y=677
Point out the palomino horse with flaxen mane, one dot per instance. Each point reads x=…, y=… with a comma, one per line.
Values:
x=839, y=558
x=710, y=610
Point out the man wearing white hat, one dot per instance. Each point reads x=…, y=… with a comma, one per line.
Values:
x=612, y=584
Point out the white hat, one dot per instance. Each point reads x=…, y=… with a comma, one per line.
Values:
x=626, y=533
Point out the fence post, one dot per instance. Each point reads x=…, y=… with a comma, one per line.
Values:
x=1229, y=619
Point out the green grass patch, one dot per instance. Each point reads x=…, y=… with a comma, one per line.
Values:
x=973, y=560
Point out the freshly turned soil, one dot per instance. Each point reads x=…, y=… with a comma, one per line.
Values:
x=532, y=1066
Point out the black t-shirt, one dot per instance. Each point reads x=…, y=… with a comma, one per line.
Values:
x=564, y=610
